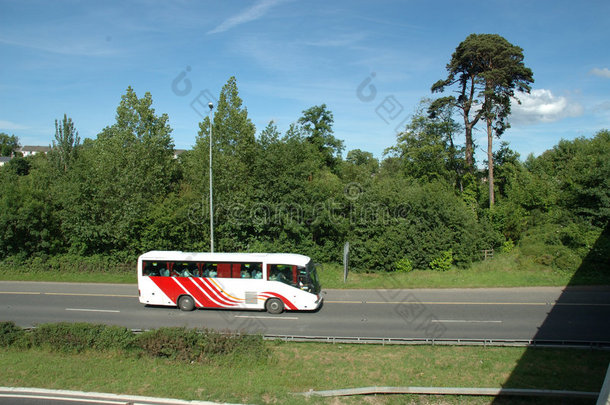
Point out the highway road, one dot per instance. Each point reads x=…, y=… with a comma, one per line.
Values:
x=574, y=314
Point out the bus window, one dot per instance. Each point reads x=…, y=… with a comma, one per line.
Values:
x=282, y=272
x=155, y=269
x=172, y=269
x=251, y=270
x=210, y=270
x=186, y=269
x=150, y=269
x=245, y=271
x=257, y=270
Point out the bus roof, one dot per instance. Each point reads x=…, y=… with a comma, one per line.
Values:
x=274, y=258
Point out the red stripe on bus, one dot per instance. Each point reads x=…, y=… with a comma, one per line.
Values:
x=289, y=305
x=173, y=290
x=169, y=287
x=218, y=292
x=200, y=290
x=191, y=287
x=220, y=300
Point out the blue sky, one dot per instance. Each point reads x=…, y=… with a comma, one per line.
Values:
x=369, y=62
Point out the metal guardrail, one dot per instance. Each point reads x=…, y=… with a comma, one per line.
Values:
x=605, y=345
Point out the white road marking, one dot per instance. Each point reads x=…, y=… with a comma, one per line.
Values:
x=584, y=304
x=92, y=310
x=292, y=318
x=461, y=321
x=91, y=295
x=441, y=303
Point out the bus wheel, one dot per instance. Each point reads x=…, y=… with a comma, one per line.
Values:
x=186, y=303
x=274, y=306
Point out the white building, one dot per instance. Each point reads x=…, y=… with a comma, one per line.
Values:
x=32, y=150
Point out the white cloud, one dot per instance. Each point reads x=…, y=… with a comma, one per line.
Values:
x=253, y=13
x=542, y=106
x=63, y=46
x=605, y=72
x=603, y=107
x=11, y=126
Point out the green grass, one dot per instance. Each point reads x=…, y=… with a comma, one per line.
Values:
x=69, y=277
x=295, y=368
x=68, y=268
x=507, y=270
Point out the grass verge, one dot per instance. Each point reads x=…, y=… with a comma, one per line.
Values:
x=505, y=270
x=295, y=368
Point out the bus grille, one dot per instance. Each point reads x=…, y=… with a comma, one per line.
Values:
x=251, y=297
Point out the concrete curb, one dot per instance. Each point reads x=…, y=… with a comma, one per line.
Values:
x=43, y=393
x=453, y=391
x=604, y=395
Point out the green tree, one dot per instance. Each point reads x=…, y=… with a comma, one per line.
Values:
x=426, y=149
x=117, y=178
x=581, y=170
x=8, y=144
x=317, y=122
x=288, y=176
x=29, y=215
x=507, y=167
x=66, y=142
x=486, y=69
x=502, y=71
x=19, y=165
x=359, y=167
x=399, y=218
x=234, y=155
x=269, y=136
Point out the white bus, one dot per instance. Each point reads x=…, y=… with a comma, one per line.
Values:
x=271, y=281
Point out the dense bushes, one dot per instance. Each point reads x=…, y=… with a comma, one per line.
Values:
x=419, y=223
x=68, y=263
x=10, y=334
x=178, y=344
x=191, y=345
x=77, y=337
x=567, y=247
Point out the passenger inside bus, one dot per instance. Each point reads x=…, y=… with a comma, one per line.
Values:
x=186, y=269
x=280, y=273
x=209, y=270
x=151, y=269
x=255, y=270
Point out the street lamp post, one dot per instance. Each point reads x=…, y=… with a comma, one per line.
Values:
x=211, y=200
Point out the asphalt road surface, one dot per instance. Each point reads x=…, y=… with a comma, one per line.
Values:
x=572, y=314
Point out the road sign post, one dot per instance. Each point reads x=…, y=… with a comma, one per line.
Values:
x=345, y=260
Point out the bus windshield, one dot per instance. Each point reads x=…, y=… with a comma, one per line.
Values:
x=309, y=278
